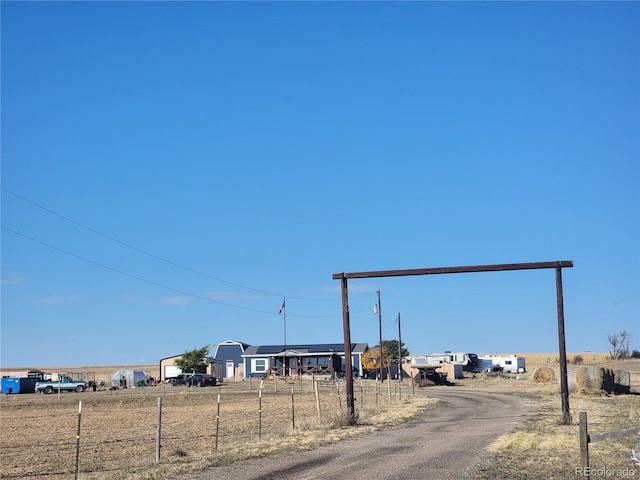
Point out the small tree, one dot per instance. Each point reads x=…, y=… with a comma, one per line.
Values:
x=619, y=344
x=194, y=361
x=625, y=339
x=391, y=346
x=371, y=359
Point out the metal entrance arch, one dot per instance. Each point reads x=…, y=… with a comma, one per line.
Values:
x=557, y=265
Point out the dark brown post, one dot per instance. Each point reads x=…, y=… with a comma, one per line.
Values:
x=399, y=350
x=564, y=387
x=584, y=444
x=347, y=350
x=380, y=331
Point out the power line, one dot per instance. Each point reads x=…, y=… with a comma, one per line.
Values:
x=144, y=252
x=151, y=282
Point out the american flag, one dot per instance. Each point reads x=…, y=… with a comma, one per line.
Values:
x=281, y=308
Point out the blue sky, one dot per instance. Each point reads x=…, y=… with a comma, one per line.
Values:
x=171, y=171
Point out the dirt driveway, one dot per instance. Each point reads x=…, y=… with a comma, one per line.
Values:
x=449, y=443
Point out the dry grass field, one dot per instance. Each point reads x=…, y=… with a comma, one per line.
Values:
x=118, y=428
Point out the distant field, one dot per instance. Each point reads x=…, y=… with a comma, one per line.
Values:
x=104, y=372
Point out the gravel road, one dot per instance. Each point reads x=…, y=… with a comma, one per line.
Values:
x=447, y=443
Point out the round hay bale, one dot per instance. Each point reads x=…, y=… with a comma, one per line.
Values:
x=543, y=375
x=582, y=379
x=577, y=379
x=600, y=378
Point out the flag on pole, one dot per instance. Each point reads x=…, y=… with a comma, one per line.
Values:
x=281, y=308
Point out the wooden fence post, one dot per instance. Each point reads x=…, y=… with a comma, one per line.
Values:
x=293, y=412
x=584, y=444
x=315, y=386
x=260, y=413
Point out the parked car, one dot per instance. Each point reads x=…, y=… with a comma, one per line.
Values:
x=200, y=380
x=179, y=380
x=64, y=383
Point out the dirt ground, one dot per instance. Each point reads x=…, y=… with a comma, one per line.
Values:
x=118, y=436
x=119, y=428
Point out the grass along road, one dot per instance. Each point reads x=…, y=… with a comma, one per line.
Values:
x=542, y=448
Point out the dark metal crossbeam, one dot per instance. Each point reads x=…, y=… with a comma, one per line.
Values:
x=461, y=269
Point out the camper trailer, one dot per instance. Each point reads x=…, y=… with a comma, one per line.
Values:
x=469, y=361
x=506, y=363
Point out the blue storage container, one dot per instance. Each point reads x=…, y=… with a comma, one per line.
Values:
x=10, y=385
x=19, y=385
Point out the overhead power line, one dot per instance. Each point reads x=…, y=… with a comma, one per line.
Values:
x=151, y=282
x=156, y=257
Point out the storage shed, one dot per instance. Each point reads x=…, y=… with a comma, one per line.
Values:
x=129, y=379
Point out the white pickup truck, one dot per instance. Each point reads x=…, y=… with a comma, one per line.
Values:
x=65, y=383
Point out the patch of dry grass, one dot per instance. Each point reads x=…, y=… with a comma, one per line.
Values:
x=542, y=448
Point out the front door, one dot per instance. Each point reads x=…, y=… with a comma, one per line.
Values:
x=230, y=373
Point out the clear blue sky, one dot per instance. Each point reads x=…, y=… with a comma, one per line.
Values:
x=248, y=151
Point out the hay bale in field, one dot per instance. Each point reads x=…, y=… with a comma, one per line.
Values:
x=622, y=381
x=601, y=378
x=577, y=379
x=596, y=378
x=582, y=379
x=543, y=375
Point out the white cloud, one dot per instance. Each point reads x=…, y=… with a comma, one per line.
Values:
x=177, y=300
x=227, y=295
x=59, y=299
x=12, y=278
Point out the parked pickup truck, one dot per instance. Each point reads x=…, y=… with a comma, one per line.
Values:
x=64, y=384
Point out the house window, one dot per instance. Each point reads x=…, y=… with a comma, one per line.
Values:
x=508, y=362
x=259, y=365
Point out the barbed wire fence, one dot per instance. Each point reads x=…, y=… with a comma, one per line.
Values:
x=134, y=431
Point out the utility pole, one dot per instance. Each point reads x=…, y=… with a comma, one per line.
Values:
x=380, y=331
x=399, y=350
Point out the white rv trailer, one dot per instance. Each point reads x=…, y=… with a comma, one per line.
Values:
x=506, y=363
x=469, y=361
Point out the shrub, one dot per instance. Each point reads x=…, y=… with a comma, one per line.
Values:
x=343, y=419
x=635, y=354
x=577, y=360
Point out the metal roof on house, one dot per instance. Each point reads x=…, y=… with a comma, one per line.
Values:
x=304, y=349
x=234, y=342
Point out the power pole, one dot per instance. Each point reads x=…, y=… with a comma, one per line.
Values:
x=399, y=350
x=380, y=330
